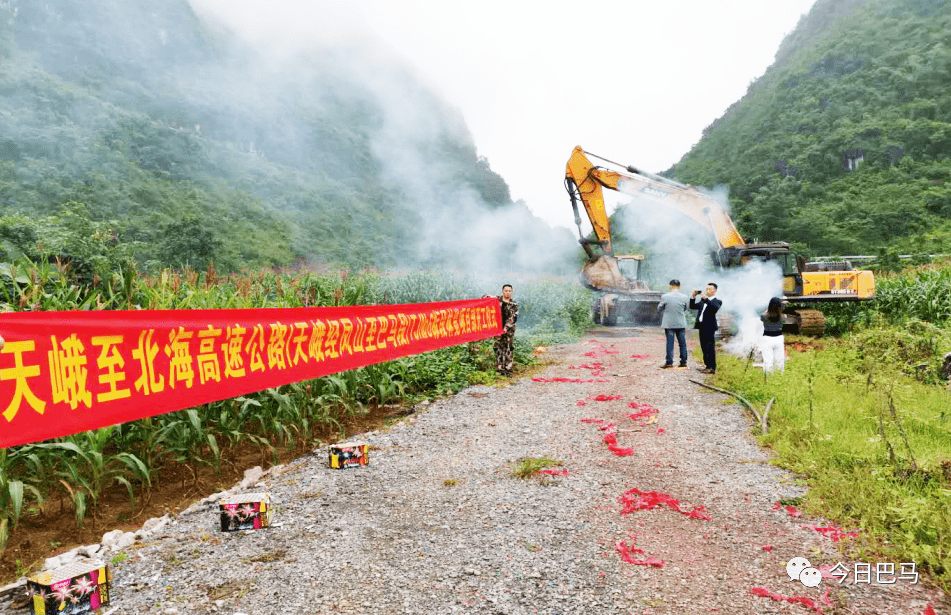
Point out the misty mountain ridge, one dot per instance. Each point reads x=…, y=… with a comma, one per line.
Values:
x=843, y=146
x=193, y=147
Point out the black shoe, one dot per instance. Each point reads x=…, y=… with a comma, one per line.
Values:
x=683, y=365
x=666, y=366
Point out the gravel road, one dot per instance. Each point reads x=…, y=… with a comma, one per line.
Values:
x=437, y=524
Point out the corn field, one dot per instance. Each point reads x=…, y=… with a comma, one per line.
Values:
x=915, y=295
x=135, y=457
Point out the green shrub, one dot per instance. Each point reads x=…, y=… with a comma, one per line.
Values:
x=915, y=349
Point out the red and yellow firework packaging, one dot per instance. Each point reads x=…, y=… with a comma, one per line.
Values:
x=247, y=511
x=349, y=455
x=79, y=587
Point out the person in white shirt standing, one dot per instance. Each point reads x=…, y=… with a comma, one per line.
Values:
x=772, y=345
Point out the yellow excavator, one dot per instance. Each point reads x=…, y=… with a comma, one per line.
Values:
x=622, y=297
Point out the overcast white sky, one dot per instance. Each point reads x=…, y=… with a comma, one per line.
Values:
x=633, y=81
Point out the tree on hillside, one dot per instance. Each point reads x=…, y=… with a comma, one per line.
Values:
x=188, y=242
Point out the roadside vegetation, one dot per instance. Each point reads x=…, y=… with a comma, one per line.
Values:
x=73, y=473
x=865, y=420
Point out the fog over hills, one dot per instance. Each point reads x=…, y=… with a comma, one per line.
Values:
x=186, y=144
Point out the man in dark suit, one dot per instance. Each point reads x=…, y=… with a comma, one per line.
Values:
x=707, y=307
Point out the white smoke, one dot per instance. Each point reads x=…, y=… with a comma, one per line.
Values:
x=678, y=247
x=438, y=191
x=745, y=293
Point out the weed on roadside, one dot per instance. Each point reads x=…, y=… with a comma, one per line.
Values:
x=528, y=467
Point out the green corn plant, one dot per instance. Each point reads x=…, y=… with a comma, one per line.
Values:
x=286, y=418
x=185, y=437
x=230, y=419
x=110, y=467
x=68, y=464
x=13, y=495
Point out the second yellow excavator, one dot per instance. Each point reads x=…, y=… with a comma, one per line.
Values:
x=624, y=297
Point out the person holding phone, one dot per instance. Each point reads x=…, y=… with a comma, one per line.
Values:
x=707, y=307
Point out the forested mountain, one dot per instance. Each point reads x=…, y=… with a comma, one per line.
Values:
x=138, y=129
x=844, y=144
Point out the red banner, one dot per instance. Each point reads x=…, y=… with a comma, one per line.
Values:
x=66, y=372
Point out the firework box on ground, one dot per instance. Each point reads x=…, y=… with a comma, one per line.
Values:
x=246, y=511
x=349, y=455
x=81, y=586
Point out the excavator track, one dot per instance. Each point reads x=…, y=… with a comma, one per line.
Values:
x=725, y=326
x=810, y=322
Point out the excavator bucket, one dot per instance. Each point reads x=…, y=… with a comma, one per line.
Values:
x=603, y=274
x=622, y=299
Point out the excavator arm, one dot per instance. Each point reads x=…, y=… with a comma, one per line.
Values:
x=586, y=182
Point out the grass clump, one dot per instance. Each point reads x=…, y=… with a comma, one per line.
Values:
x=527, y=467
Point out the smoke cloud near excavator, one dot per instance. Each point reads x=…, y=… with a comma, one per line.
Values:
x=677, y=247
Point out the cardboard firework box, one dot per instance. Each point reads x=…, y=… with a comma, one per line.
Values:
x=78, y=587
x=248, y=511
x=349, y=455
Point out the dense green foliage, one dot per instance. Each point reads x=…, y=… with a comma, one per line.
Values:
x=858, y=83
x=186, y=146
x=872, y=445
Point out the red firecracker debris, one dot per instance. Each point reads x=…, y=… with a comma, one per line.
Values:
x=645, y=411
x=594, y=365
x=627, y=555
x=929, y=610
x=660, y=430
x=635, y=499
x=561, y=472
x=832, y=532
x=611, y=440
x=777, y=505
x=793, y=511
x=581, y=402
x=610, y=437
x=606, y=397
x=808, y=602
x=768, y=548
x=639, y=356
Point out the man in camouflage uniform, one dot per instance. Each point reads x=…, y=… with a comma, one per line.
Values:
x=504, y=358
